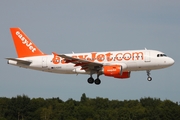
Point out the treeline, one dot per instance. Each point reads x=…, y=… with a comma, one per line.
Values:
x=25, y=108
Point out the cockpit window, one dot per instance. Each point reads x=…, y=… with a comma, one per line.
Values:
x=161, y=55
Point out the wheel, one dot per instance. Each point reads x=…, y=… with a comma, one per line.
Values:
x=149, y=78
x=90, y=80
x=97, y=81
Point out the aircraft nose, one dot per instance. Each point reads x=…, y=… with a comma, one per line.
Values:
x=170, y=61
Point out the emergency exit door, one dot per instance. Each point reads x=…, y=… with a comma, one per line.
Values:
x=44, y=62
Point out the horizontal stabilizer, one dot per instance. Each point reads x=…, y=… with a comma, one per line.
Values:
x=25, y=62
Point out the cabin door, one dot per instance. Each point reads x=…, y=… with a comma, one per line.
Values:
x=147, y=56
x=44, y=62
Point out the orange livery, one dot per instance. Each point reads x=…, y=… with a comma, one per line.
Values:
x=117, y=64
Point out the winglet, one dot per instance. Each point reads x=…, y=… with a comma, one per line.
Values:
x=24, y=46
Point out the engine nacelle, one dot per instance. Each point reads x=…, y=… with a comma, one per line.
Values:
x=124, y=75
x=112, y=70
x=115, y=71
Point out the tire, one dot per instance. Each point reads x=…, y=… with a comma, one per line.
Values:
x=90, y=80
x=149, y=78
x=97, y=81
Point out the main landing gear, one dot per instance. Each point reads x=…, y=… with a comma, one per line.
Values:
x=148, y=74
x=91, y=80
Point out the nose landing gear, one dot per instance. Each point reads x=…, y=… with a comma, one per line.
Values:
x=149, y=78
x=148, y=74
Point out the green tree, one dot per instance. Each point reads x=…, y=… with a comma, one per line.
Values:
x=24, y=108
x=46, y=113
x=83, y=98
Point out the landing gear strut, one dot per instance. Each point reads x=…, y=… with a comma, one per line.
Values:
x=97, y=81
x=148, y=74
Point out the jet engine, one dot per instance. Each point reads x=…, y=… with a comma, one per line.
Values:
x=115, y=71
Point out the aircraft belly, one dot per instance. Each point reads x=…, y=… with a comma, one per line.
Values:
x=131, y=66
x=140, y=66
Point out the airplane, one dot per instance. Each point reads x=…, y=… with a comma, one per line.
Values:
x=117, y=64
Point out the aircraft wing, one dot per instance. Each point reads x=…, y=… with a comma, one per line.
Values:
x=20, y=61
x=85, y=64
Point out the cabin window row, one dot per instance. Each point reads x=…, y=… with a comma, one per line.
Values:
x=117, y=57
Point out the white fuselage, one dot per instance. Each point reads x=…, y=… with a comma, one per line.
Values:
x=132, y=60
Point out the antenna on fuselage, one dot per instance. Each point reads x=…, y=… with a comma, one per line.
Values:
x=145, y=48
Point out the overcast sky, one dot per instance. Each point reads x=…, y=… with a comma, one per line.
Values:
x=64, y=26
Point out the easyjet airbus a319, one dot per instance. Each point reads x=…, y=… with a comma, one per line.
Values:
x=116, y=64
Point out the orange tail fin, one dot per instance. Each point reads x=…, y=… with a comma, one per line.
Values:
x=24, y=46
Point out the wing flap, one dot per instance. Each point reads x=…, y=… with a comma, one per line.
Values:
x=85, y=64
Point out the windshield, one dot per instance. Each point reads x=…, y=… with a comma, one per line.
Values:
x=161, y=55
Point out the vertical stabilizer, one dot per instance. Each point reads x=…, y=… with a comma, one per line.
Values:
x=24, y=46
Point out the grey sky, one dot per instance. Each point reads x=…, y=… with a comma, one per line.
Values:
x=63, y=26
